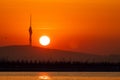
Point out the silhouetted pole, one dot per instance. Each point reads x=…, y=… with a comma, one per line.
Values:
x=30, y=33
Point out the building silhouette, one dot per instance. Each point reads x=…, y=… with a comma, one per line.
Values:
x=30, y=33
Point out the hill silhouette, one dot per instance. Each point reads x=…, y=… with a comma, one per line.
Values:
x=13, y=53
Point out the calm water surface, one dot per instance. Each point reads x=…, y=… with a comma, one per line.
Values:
x=59, y=75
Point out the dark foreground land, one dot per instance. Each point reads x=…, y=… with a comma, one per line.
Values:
x=59, y=66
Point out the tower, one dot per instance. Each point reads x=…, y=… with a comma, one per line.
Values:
x=30, y=33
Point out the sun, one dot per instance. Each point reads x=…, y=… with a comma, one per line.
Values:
x=44, y=40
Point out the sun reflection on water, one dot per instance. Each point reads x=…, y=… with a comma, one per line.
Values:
x=44, y=76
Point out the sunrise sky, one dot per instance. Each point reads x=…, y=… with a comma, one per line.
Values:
x=90, y=26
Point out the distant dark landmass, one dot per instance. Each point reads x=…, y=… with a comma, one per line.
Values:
x=28, y=58
x=13, y=53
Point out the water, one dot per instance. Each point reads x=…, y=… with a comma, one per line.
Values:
x=59, y=75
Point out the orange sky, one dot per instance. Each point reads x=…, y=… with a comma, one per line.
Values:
x=91, y=26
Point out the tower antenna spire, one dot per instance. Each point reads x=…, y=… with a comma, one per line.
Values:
x=30, y=20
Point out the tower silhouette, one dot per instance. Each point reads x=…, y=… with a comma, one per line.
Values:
x=30, y=33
